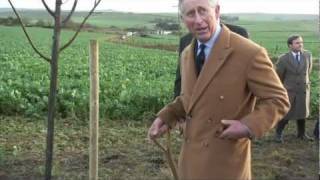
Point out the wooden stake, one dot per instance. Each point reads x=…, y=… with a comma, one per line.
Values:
x=94, y=109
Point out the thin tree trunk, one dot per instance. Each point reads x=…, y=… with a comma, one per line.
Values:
x=53, y=89
x=54, y=67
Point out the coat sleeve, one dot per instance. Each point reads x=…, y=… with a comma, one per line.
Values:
x=172, y=112
x=310, y=63
x=280, y=68
x=272, y=98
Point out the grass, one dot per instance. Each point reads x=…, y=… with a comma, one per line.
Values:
x=124, y=152
x=273, y=35
x=124, y=20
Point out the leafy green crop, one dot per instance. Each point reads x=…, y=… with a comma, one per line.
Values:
x=133, y=81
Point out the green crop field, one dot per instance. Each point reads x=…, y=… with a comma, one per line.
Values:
x=130, y=83
x=125, y=72
x=273, y=34
x=136, y=80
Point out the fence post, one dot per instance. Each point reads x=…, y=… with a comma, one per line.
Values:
x=94, y=110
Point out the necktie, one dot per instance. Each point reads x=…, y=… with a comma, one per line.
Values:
x=200, y=58
x=297, y=58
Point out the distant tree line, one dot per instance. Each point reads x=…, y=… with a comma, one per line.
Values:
x=228, y=18
x=166, y=24
x=10, y=21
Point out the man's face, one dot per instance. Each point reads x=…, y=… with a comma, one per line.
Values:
x=297, y=45
x=200, y=18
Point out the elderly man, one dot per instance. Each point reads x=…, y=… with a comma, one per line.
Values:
x=230, y=93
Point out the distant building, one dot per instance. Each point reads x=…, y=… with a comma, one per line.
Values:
x=163, y=32
x=123, y=37
x=129, y=33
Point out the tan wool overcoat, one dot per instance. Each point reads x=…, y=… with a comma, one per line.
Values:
x=237, y=82
x=295, y=78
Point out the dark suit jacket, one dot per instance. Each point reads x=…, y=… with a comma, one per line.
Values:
x=185, y=41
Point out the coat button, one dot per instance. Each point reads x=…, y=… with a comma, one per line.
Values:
x=205, y=144
x=221, y=97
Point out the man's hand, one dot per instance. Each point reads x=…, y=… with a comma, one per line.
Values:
x=157, y=129
x=234, y=130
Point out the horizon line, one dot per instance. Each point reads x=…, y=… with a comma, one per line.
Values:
x=112, y=10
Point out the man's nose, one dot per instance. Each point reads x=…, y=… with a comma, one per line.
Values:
x=198, y=18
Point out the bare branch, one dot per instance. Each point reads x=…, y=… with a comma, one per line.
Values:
x=70, y=14
x=27, y=35
x=48, y=8
x=81, y=25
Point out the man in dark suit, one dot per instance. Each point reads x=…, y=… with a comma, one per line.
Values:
x=185, y=41
x=294, y=68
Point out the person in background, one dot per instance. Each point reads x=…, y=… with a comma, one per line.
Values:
x=294, y=68
x=230, y=93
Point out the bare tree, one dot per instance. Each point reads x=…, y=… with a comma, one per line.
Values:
x=53, y=60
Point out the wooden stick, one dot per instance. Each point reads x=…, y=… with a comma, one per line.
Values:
x=168, y=154
x=94, y=110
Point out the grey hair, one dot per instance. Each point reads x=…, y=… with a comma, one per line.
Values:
x=212, y=3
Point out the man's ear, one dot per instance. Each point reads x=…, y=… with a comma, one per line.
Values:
x=182, y=19
x=217, y=11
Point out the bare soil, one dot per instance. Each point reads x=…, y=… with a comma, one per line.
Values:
x=125, y=153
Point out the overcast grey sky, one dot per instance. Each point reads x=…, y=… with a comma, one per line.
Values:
x=147, y=6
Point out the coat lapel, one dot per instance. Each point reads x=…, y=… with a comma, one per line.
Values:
x=188, y=73
x=190, y=67
x=292, y=61
x=219, y=54
x=303, y=62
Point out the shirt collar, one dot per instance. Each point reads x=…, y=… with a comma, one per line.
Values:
x=295, y=53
